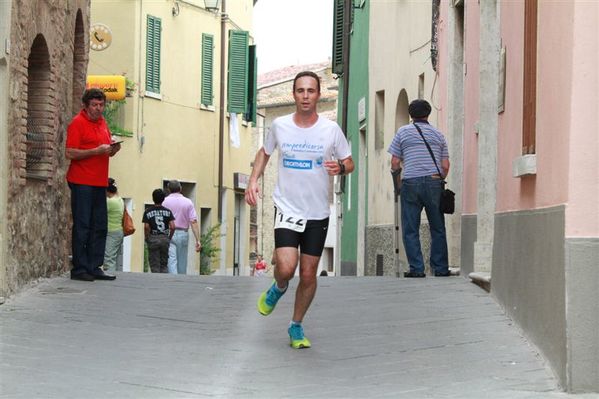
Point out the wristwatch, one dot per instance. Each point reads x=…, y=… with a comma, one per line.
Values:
x=341, y=168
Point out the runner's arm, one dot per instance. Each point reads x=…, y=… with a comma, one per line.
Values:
x=348, y=163
x=253, y=191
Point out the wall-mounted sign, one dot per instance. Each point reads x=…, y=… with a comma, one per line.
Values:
x=240, y=181
x=100, y=37
x=361, y=109
x=112, y=85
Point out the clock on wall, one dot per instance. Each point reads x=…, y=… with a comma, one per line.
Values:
x=100, y=37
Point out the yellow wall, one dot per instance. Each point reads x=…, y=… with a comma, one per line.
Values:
x=173, y=137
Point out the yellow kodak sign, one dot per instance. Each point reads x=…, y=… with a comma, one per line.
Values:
x=112, y=85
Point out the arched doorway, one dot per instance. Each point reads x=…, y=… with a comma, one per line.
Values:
x=401, y=110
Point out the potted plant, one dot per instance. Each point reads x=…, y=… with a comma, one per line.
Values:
x=210, y=251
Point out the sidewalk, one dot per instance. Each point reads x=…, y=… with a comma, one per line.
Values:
x=165, y=336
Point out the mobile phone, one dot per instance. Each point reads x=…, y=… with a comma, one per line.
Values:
x=117, y=142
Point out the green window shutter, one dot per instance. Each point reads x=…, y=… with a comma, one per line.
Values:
x=338, y=37
x=153, y=32
x=238, y=67
x=207, y=69
x=250, y=115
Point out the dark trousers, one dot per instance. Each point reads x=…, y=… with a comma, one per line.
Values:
x=90, y=226
x=158, y=252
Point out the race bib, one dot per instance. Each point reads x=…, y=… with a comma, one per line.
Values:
x=289, y=222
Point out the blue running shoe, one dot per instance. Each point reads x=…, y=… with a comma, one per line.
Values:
x=269, y=298
x=296, y=336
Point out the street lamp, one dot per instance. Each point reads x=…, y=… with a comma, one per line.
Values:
x=212, y=5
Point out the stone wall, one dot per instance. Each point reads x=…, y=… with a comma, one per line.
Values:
x=47, y=69
x=380, y=247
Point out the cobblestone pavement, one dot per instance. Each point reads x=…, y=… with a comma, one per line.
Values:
x=165, y=336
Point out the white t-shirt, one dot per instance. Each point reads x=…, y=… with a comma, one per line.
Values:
x=303, y=181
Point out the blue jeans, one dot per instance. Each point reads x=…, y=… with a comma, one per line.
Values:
x=90, y=226
x=177, y=252
x=417, y=193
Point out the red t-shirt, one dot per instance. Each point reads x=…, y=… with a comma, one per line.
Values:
x=83, y=134
x=261, y=265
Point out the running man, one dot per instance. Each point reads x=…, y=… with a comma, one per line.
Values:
x=310, y=149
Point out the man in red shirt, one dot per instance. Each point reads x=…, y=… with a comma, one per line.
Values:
x=89, y=146
x=260, y=267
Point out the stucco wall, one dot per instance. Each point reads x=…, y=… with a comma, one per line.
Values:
x=175, y=137
x=471, y=106
x=568, y=86
x=582, y=213
x=405, y=28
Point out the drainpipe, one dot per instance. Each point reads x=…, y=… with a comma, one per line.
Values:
x=221, y=122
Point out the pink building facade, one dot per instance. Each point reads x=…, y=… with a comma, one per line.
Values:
x=519, y=86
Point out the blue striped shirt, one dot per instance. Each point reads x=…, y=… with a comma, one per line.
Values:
x=408, y=146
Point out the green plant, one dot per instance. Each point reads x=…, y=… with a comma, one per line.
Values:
x=210, y=251
x=111, y=111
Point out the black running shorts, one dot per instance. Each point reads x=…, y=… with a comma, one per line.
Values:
x=310, y=241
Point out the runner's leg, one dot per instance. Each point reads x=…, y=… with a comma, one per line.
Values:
x=307, y=286
x=286, y=265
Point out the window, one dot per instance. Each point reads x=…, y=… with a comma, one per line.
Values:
x=207, y=69
x=237, y=93
x=421, y=86
x=338, y=37
x=338, y=42
x=153, y=33
x=530, y=77
x=379, y=120
x=250, y=114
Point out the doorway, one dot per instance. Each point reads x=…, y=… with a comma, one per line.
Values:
x=239, y=238
x=188, y=190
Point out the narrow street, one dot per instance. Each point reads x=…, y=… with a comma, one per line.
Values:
x=166, y=336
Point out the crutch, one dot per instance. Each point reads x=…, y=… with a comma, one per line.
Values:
x=396, y=175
